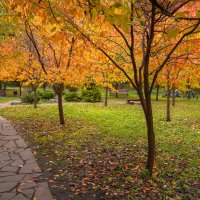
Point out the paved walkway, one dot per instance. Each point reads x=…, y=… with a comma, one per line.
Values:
x=19, y=171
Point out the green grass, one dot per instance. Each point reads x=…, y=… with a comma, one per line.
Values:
x=7, y=99
x=104, y=149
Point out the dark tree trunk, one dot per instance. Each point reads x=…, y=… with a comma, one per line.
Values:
x=106, y=97
x=168, y=119
x=59, y=91
x=20, y=90
x=147, y=108
x=173, y=95
x=4, y=86
x=0, y=85
x=116, y=94
x=157, y=92
x=35, y=98
x=150, y=134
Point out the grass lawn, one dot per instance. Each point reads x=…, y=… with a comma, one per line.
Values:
x=101, y=151
x=7, y=99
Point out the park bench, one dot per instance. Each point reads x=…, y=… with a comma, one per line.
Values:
x=120, y=91
x=133, y=101
x=2, y=93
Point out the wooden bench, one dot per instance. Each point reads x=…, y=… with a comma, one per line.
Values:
x=2, y=93
x=120, y=91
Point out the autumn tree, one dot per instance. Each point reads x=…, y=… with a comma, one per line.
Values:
x=143, y=27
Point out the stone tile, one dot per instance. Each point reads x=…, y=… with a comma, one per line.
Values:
x=2, y=143
x=17, y=163
x=2, y=174
x=14, y=157
x=4, y=163
x=7, y=196
x=19, y=150
x=30, y=168
x=9, y=169
x=29, y=193
x=26, y=155
x=5, y=158
x=15, y=178
x=7, y=186
x=43, y=192
x=21, y=143
x=14, y=137
x=27, y=184
x=8, y=132
x=21, y=197
x=3, y=154
x=10, y=144
x=32, y=176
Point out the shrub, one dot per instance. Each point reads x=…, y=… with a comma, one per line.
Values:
x=91, y=95
x=28, y=97
x=72, y=96
x=46, y=94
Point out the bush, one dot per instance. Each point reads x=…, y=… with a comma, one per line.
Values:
x=91, y=95
x=72, y=96
x=28, y=97
x=46, y=94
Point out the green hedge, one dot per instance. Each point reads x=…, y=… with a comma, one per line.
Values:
x=46, y=94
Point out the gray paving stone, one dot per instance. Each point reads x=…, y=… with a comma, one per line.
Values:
x=29, y=193
x=7, y=186
x=8, y=132
x=17, y=163
x=26, y=155
x=14, y=137
x=27, y=185
x=2, y=143
x=7, y=196
x=21, y=197
x=14, y=157
x=21, y=143
x=14, y=178
x=19, y=150
x=4, y=163
x=32, y=176
x=43, y=192
x=2, y=174
x=19, y=170
x=30, y=168
x=9, y=169
x=10, y=144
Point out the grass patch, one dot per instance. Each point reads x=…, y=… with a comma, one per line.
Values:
x=101, y=151
x=7, y=99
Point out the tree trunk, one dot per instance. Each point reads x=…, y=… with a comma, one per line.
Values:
x=106, y=97
x=4, y=86
x=168, y=119
x=157, y=92
x=60, y=108
x=116, y=94
x=20, y=90
x=173, y=95
x=58, y=89
x=150, y=135
x=35, y=99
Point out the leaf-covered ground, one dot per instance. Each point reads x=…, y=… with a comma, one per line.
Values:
x=101, y=152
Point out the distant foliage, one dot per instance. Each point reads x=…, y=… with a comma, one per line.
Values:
x=46, y=94
x=72, y=96
x=29, y=97
x=91, y=95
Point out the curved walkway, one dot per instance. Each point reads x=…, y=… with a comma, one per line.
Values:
x=19, y=171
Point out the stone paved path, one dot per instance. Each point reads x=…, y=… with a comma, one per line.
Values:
x=19, y=171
